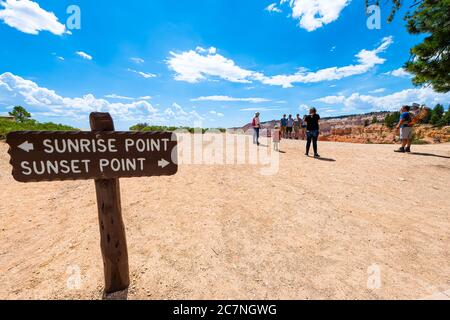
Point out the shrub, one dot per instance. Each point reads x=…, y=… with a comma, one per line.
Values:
x=392, y=119
x=30, y=125
x=148, y=128
x=419, y=141
x=374, y=120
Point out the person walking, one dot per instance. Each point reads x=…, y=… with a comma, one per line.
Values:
x=312, y=131
x=256, y=124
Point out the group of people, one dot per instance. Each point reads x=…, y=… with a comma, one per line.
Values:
x=291, y=128
x=309, y=128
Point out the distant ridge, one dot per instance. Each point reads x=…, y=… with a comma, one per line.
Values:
x=351, y=119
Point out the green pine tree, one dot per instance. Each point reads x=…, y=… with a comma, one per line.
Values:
x=392, y=119
x=20, y=114
x=445, y=121
x=374, y=120
x=430, y=60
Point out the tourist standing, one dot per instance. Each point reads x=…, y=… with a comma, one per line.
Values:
x=406, y=130
x=289, y=126
x=256, y=124
x=283, y=122
x=297, y=127
x=312, y=131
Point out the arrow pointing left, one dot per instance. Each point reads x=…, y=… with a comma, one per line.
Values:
x=26, y=146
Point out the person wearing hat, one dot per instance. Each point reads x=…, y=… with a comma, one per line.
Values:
x=256, y=124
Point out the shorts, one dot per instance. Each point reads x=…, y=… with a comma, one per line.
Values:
x=406, y=133
x=312, y=134
x=289, y=129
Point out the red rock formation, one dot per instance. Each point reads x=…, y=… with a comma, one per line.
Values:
x=351, y=129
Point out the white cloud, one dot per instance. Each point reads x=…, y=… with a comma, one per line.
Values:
x=178, y=114
x=332, y=100
x=145, y=75
x=137, y=60
x=400, y=73
x=61, y=58
x=314, y=14
x=119, y=97
x=17, y=90
x=393, y=101
x=84, y=55
x=367, y=59
x=28, y=17
x=194, y=66
x=262, y=109
x=230, y=99
x=217, y=114
x=210, y=50
x=273, y=8
x=381, y=90
x=304, y=107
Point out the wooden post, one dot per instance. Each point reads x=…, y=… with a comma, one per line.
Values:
x=112, y=230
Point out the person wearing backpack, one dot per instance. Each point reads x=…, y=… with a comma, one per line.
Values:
x=406, y=130
x=256, y=124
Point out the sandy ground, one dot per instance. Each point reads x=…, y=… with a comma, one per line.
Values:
x=316, y=230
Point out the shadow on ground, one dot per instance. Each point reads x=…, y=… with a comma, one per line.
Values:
x=121, y=295
x=324, y=159
x=429, y=155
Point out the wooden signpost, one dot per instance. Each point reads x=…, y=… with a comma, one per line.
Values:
x=105, y=156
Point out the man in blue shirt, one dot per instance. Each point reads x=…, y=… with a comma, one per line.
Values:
x=406, y=130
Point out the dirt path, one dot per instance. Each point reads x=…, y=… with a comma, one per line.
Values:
x=221, y=232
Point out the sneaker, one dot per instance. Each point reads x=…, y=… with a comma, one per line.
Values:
x=316, y=156
x=401, y=150
x=408, y=150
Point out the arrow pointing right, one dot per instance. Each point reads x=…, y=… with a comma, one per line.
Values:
x=26, y=146
x=163, y=163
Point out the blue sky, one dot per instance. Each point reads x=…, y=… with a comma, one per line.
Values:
x=211, y=62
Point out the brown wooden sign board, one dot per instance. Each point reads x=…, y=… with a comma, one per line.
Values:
x=53, y=156
x=103, y=155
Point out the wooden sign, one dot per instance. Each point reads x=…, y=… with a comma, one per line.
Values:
x=51, y=156
x=103, y=155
